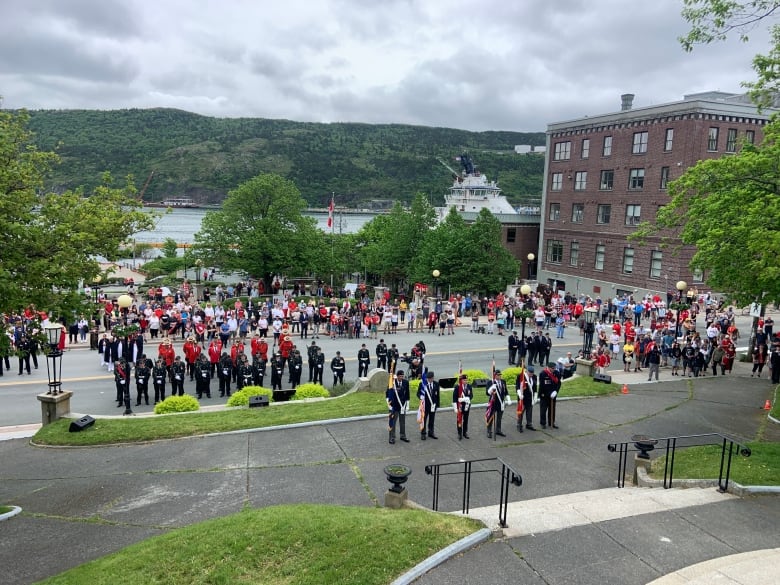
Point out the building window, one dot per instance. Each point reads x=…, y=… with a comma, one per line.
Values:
x=640, y=143
x=557, y=182
x=698, y=275
x=750, y=136
x=607, y=151
x=712, y=139
x=574, y=254
x=668, y=139
x=601, y=252
x=628, y=260
x=562, y=151
x=731, y=140
x=656, y=256
x=633, y=213
x=577, y=212
x=607, y=178
x=511, y=235
x=664, y=177
x=636, y=179
x=554, y=251
x=585, y=147
x=580, y=180
x=604, y=211
x=555, y=211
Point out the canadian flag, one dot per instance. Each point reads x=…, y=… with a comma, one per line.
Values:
x=330, y=213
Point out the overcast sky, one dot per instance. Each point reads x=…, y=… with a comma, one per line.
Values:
x=472, y=64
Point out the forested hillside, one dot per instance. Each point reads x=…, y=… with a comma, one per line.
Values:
x=202, y=157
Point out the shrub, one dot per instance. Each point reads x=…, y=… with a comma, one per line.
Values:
x=414, y=386
x=310, y=390
x=241, y=398
x=475, y=375
x=171, y=404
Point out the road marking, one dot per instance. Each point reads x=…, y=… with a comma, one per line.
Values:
x=64, y=380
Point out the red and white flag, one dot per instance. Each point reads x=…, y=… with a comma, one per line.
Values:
x=330, y=213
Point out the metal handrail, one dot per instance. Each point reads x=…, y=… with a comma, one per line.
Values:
x=729, y=446
x=508, y=477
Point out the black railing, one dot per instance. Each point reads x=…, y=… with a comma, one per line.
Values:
x=643, y=445
x=508, y=477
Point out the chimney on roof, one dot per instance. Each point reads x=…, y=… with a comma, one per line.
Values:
x=626, y=101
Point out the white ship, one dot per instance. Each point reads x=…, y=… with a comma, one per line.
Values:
x=471, y=192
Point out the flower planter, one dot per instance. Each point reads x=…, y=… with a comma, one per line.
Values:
x=397, y=475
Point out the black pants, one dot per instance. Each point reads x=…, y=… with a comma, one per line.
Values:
x=159, y=391
x=464, y=429
x=177, y=387
x=363, y=368
x=224, y=386
x=142, y=391
x=24, y=363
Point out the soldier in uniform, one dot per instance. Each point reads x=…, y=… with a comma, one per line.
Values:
x=159, y=373
x=122, y=379
x=142, y=375
x=461, y=400
x=178, y=371
x=364, y=361
x=319, y=367
x=498, y=395
x=311, y=352
x=224, y=373
x=203, y=376
x=337, y=366
x=429, y=392
x=258, y=370
x=392, y=357
x=277, y=367
x=397, y=396
x=526, y=386
x=23, y=349
x=245, y=374
x=381, y=354
x=296, y=368
x=549, y=384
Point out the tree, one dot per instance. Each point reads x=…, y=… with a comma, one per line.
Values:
x=169, y=248
x=729, y=208
x=51, y=241
x=261, y=230
x=714, y=20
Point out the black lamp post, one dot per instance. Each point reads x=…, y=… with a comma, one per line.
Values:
x=198, y=266
x=531, y=259
x=525, y=290
x=54, y=372
x=680, y=286
x=590, y=327
x=436, y=275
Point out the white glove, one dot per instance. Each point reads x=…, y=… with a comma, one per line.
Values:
x=535, y=399
x=462, y=399
x=405, y=408
x=467, y=400
x=507, y=400
x=554, y=394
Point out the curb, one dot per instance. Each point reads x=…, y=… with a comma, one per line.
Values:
x=735, y=488
x=443, y=555
x=14, y=511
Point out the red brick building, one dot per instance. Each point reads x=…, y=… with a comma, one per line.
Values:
x=605, y=174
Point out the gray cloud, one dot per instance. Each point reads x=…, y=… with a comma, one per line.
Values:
x=476, y=64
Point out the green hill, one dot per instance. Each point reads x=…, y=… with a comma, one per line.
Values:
x=203, y=157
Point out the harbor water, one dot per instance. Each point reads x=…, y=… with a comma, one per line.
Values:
x=181, y=225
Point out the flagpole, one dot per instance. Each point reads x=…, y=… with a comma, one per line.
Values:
x=331, y=208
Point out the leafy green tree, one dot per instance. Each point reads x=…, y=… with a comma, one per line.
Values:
x=169, y=248
x=714, y=20
x=50, y=241
x=729, y=208
x=261, y=230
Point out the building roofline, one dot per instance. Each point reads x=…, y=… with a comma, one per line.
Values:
x=704, y=106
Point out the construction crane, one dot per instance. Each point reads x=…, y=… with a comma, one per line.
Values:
x=146, y=185
x=455, y=174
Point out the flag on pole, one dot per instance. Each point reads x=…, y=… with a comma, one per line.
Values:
x=330, y=213
x=421, y=409
x=490, y=411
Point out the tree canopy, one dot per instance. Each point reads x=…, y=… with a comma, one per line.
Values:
x=714, y=20
x=52, y=241
x=261, y=230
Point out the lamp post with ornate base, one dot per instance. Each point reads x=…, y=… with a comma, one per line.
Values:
x=590, y=327
x=531, y=259
x=55, y=403
x=436, y=275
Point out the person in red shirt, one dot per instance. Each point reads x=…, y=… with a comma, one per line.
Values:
x=167, y=353
x=215, y=350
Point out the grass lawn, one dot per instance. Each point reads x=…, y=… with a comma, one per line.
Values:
x=137, y=429
x=291, y=545
x=761, y=468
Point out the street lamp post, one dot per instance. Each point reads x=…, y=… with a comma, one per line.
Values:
x=124, y=302
x=198, y=266
x=436, y=275
x=531, y=259
x=681, y=286
x=590, y=327
x=525, y=290
x=54, y=373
